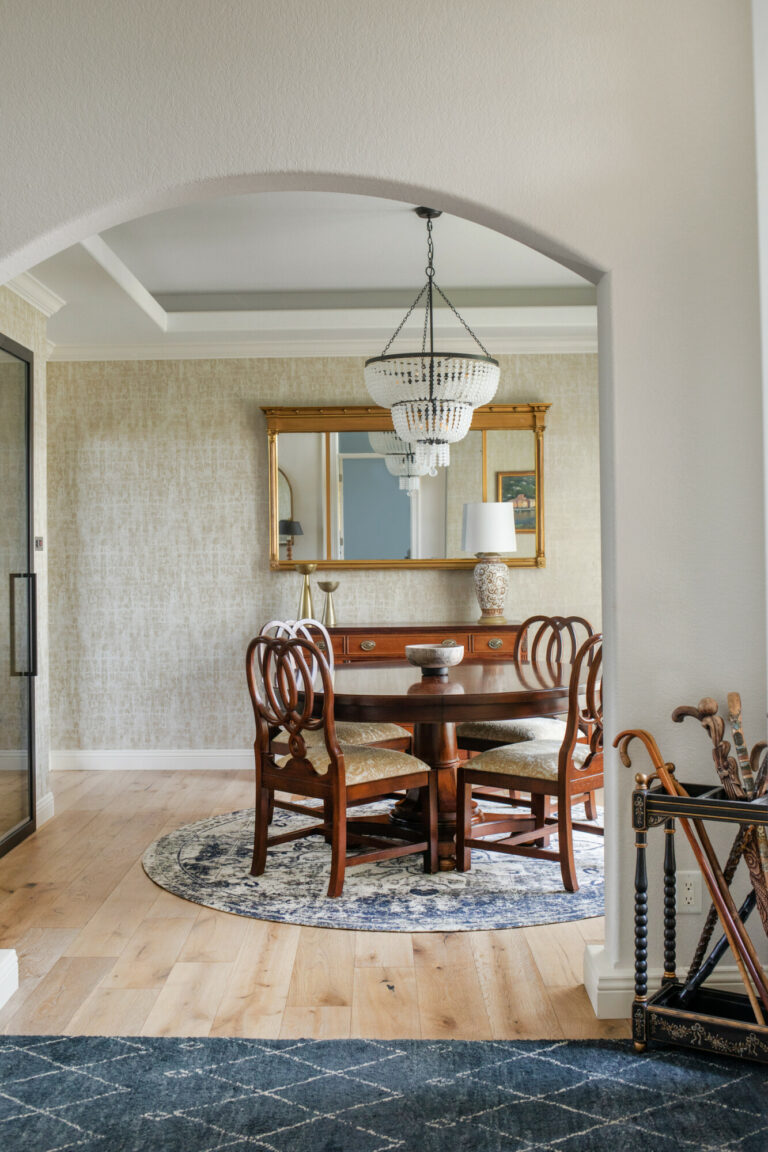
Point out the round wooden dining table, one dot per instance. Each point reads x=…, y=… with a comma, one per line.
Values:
x=434, y=705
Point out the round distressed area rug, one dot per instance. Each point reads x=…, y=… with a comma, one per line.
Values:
x=209, y=863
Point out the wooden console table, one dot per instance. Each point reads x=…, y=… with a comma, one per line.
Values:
x=354, y=644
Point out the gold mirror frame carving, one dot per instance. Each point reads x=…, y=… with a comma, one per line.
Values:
x=327, y=419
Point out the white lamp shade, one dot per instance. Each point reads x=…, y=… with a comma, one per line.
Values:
x=488, y=528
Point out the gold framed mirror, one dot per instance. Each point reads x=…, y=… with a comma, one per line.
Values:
x=353, y=512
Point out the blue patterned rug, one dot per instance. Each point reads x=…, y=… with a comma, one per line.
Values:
x=209, y=863
x=122, y=1094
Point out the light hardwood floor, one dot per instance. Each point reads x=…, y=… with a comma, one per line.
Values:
x=102, y=950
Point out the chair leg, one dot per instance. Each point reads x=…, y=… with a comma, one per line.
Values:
x=565, y=847
x=463, y=818
x=538, y=807
x=271, y=809
x=338, y=848
x=590, y=806
x=429, y=816
x=328, y=818
x=260, y=831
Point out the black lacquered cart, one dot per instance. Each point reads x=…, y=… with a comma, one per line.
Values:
x=688, y=1012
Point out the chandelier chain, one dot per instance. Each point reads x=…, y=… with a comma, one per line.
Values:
x=399, y=328
x=461, y=319
x=430, y=268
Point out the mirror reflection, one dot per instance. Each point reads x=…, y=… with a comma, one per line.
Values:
x=357, y=497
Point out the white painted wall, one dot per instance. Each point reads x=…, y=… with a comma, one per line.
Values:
x=760, y=50
x=618, y=137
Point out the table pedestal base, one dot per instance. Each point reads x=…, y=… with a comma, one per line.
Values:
x=435, y=744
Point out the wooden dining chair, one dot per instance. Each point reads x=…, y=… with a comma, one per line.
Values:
x=548, y=641
x=561, y=770
x=379, y=735
x=282, y=673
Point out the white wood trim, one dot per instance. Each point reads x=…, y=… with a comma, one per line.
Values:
x=9, y=974
x=153, y=760
x=612, y=990
x=542, y=342
x=39, y=295
x=44, y=809
x=14, y=760
x=125, y=279
x=385, y=320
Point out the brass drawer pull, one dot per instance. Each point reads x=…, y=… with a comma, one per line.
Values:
x=447, y=643
x=495, y=643
x=321, y=645
x=367, y=645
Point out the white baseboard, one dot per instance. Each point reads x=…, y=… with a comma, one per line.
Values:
x=612, y=990
x=44, y=809
x=9, y=974
x=154, y=760
x=13, y=760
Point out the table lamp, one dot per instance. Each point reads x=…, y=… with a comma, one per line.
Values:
x=488, y=530
x=289, y=528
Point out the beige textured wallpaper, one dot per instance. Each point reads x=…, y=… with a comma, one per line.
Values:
x=159, y=550
x=24, y=324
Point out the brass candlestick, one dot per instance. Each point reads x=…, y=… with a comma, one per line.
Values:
x=305, y=611
x=329, y=614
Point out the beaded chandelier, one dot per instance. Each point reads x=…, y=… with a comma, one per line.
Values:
x=431, y=395
x=399, y=459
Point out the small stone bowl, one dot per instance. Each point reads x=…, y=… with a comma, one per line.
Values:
x=433, y=659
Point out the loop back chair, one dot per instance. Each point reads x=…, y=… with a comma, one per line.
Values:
x=281, y=674
x=381, y=735
x=545, y=642
x=561, y=770
x=549, y=640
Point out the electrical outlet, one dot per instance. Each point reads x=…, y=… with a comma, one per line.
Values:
x=688, y=892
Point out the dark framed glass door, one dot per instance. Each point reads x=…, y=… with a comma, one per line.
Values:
x=18, y=623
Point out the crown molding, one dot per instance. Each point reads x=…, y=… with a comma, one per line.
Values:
x=349, y=332
x=531, y=343
x=378, y=324
x=34, y=292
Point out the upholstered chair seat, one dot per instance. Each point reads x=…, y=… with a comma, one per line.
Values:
x=351, y=732
x=512, y=731
x=536, y=759
x=362, y=764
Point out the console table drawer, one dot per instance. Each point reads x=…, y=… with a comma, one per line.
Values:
x=391, y=646
x=489, y=644
x=387, y=642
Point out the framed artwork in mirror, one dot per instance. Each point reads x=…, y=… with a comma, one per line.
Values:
x=519, y=488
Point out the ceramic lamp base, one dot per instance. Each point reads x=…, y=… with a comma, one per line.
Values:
x=491, y=578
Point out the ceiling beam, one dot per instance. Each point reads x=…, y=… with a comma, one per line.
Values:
x=125, y=279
